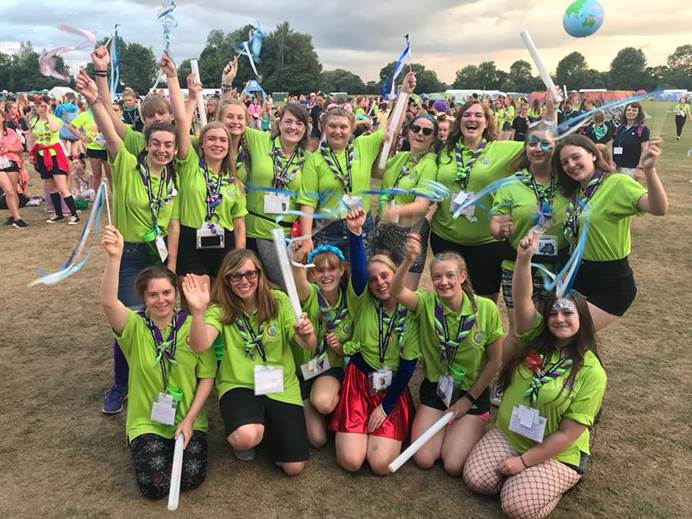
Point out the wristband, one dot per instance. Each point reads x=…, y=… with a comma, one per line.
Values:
x=95, y=101
x=523, y=462
x=470, y=397
x=100, y=73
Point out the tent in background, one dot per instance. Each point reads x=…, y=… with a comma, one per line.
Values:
x=252, y=87
x=60, y=91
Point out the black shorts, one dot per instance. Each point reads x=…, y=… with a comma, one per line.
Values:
x=44, y=172
x=97, y=154
x=200, y=262
x=428, y=396
x=285, y=431
x=484, y=262
x=609, y=285
x=12, y=168
x=306, y=385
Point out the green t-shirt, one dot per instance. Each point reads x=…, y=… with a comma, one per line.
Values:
x=318, y=178
x=131, y=210
x=133, y=140
x=519, y=201
x=682, y=110
x=260, y=145
x=581, y=404
x=365, y=339
x=145, y=380
x=86, y=122
x=193, y=193
x=42, y=133
x=611, y=208
x=237, y=369
x=472, y=355
x=402, y=173
x=311, y=306
x=493, y=164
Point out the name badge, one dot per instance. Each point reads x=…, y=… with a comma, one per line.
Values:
x=161, y=248
x=314, y=367
x=352, y=202
x=100, y=139
x=269, y=379
x=528, y=423
x=380, y=380
x=547, y=245
x=617, y=150
x=276, y=203
x=210, y=236
x=460, y=199
x=4, y=162
x=163, y=409
x=445, y=389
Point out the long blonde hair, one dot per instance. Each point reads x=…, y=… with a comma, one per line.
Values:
x=222, y=294
x=466, y=286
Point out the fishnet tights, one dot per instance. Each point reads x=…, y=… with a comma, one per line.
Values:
x=531, y=494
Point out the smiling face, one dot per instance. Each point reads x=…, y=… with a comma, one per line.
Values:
x=244, y=279
x=234, y=118
x=161, y=147
x=443, y=130
x=473, y=122
x=291, y=128
x=446, y=278
x=379, y=280
x=631, y=112
x=159, y=298
x=539, y=147
x=420, y=142
x=563, y=321
x=577, y=163
x=327, y=273
x=215, y=144
x=338, y=131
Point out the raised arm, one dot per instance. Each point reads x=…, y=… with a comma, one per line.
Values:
x=174, y=92
x=196, y=293
x=116, y=312
x=359, y=262
x=183, y=125
x=300, y=275
x=655, y=201
x=522, y=284
x=397, y=288
x=227, y=77
x=87, y=87
x=100, y=58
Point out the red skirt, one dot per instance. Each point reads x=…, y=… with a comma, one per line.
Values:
x=356, y=403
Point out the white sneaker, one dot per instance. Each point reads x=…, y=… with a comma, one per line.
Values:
x=73, y=220
x=495, y=396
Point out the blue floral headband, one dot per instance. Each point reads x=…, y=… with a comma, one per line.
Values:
x=325, y=248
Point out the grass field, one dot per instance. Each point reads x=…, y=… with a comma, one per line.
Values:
x=60, y=457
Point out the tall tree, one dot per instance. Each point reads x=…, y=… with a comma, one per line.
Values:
x=521, y=77
x=680, y=67
x=572, y=71
x=291, y=63
x=341, y=80
x=426, y=80
x=628, y=70
x=467, y=78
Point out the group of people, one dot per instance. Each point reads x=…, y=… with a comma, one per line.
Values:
x=194, y=220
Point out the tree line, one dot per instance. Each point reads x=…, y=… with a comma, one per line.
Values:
x=289, y=63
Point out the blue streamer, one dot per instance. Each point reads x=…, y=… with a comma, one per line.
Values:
x=115, y=62
x=474, y=200
x=168, y=21
x=71, y=265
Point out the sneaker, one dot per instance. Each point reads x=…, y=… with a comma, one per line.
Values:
x=55, y=218
x=113, y=401
x=73, y=220
x=10, y=220
x=495, y=396
x=20, y=224
x=244, y=454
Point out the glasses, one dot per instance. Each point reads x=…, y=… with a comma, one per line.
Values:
x=235, y=277
x=417, y=129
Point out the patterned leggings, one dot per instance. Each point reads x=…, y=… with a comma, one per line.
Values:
x=152, y=456
x=531, y=494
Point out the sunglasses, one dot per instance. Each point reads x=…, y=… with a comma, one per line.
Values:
x=235, y=277
x=418, y=129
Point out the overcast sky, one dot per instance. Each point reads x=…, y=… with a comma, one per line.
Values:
x=364, y=35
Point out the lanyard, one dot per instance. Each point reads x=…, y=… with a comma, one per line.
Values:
x=330, y=319
x=333, y=162
x=448, y=346
x=577, y=204
x=213, y=196
x=252, y=341
x=165, y=349
x=464, y=170
x=622, y=132
x=410, y=164
x=282, y=176
x=544, y=375
x=382, y=318
x=155, y=203
x=544, y=196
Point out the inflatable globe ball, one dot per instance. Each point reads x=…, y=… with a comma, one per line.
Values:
x=583, y=18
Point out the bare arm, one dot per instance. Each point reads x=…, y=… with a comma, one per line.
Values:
x=227, y=77
x=53, y=122
x=655, y=201
x=397, y=288
x=196, y=293
x=87, y=87
x=116, y=312
x=239, y=232
x=183, y=125
x=101, y=59
x=555, y=443
x=522, y=285
x=173, y=239
x=174, y=92
x=300, y=275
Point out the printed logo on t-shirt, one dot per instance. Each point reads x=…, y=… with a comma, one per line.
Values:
x=479, y=337
x=271, y=331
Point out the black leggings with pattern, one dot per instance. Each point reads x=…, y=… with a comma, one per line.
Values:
x=152, y=457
